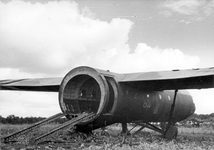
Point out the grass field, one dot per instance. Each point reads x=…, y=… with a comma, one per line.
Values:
x=201, y=138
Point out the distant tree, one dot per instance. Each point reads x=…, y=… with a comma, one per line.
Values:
x=1, y=119
x=212, y=115
x=12, y=119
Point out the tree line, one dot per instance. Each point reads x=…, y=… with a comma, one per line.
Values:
x=204, y=117
x=12, y=119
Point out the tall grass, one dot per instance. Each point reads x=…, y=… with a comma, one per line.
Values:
x=188, y=139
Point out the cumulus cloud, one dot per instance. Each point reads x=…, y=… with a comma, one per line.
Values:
x=41, y=40
x=55, y=37
x=51, y=37
x=197, y=8
x=146, y=58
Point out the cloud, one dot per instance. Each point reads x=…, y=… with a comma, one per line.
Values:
x=196, y=8
x=54, y=37
x=51, y=37
x=41, y=40
x=186, y=7
x=146, y=58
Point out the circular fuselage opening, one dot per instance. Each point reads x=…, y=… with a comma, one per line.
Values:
x=82, y=94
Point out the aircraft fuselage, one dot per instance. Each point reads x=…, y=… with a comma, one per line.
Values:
x=87, y=90
x=147, y=107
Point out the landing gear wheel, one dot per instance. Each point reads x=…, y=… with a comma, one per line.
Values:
x=171, y=133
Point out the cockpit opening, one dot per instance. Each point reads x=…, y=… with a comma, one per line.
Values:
x=82, y=94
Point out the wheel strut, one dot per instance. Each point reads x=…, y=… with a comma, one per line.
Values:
x=172, y=111
x=171, y=130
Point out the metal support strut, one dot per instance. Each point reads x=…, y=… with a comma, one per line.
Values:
x=171, y=130
x=171, y=115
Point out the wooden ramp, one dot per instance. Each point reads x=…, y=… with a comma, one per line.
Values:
x=80, y=118
x=70, y=123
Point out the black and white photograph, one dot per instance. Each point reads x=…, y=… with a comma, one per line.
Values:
x=106, y=74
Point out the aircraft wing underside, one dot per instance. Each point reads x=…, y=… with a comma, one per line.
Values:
x=159, y=80
x=40, y=84
x=169, y=80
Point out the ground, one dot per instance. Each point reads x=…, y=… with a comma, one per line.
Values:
x=110, y=138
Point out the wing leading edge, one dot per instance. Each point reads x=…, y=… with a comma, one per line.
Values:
x=159, y=80
x=169, y=80
x=40, y=84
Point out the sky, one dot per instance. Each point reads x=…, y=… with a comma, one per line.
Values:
x=49, y=38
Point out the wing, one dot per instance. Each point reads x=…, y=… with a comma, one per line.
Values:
x=42, y=84
x=160, y=80
x=168, y=80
